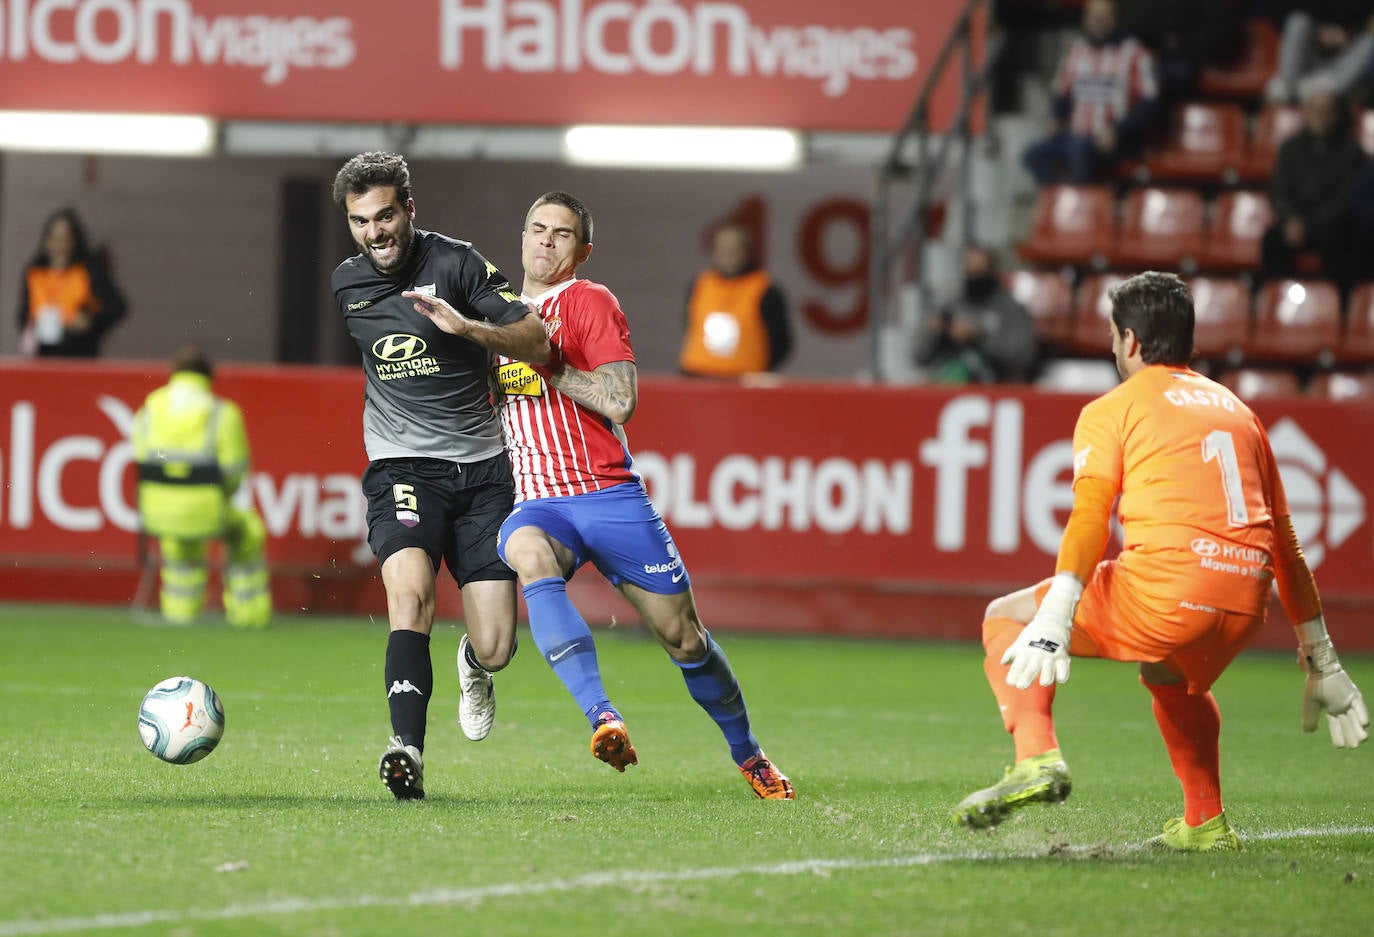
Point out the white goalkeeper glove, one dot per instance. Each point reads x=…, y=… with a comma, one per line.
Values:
x=1042, y=648
x=1329, y=688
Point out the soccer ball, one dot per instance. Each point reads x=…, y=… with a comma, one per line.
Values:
x=181, y=720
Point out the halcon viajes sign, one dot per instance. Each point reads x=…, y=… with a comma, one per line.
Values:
x=799, y=63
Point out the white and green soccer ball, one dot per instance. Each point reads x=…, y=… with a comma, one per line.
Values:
x=181, y=720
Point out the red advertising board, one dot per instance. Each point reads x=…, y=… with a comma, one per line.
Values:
x=798, y=507
x=798, y=63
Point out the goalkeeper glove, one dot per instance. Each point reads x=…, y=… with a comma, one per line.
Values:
x=1329, y=688
x=1042, y=647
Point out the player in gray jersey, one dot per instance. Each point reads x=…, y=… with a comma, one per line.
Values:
x=438, y=481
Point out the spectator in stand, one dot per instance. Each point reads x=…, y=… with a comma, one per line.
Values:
x=1325, y=40
x=1313, y=191
x=736, y=316
x=984, y=336
x=1184, y=35
x=68, y=301
x=1106, y=98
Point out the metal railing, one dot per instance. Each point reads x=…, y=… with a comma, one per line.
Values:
x=925, y=166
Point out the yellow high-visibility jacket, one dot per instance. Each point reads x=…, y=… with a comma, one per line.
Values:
x=192, y=454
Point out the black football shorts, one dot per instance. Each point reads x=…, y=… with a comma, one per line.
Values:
x=451, y=510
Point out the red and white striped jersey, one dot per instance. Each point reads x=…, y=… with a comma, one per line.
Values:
x=557, y=446
x=1104, y=81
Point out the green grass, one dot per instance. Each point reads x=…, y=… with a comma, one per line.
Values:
x=285, y=829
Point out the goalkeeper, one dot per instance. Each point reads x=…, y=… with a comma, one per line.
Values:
x=192, y=455
x=1206, y=532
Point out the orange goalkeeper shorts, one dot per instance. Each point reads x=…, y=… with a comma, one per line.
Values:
x=1116, y=621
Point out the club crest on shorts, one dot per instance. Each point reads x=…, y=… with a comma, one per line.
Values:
x=409, y=518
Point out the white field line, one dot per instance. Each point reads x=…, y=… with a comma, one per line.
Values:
x=475, y=894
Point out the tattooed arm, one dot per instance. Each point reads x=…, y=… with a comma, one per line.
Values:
x=612, y=390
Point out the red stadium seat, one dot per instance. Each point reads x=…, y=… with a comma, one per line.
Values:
x=1205, y=143
x=1222, y=325
x=1247, y=77
x=1343, y=385
x=1160, y=229
x=1359, y=325
x=1070, y=224
x=1047, y=297
x=1092, y=331
x=1296, y=320
x=1233, y=238
x=1250, y=383
x=1274, y=124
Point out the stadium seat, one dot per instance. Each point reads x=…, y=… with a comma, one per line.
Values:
x=1205, y=143
x=1275, y=123
x=1232, y=242
x=1046, y=295
x=1093, y=313
x=1252, y=383
x=1246, y=77
x=1078, y=376
x=1160, y=229
x=1297, y=321
x=1070, y=224
x=1222, y=327
x=1342, y=386
x=1359, y=325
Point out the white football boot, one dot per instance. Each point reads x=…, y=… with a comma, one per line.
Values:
x=477, y=700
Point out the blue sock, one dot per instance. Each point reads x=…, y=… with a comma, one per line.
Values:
x=566, y=643
x=713, y=685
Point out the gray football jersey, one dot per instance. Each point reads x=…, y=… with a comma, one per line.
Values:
x=428, y=393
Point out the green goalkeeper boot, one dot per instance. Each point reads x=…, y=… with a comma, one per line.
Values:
x=1040, y=779
x=1215, y=835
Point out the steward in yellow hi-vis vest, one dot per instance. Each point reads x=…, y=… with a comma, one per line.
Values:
x=736, y=318
x=192, y=455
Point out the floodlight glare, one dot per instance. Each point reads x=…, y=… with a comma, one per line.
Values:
x=682, y=147
x=132, y=134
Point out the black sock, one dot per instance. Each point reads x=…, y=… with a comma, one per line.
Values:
x=409, y=683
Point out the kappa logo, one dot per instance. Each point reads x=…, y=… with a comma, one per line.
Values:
x=1202, y=546
x=1080, y=459
x=399, y=347
x=402, y=686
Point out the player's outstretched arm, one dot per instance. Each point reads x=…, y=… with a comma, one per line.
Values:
x=1329, y=688
x=1042, y=647
x=612, y=390
x=524, y=339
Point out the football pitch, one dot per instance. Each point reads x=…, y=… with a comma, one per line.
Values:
x=285, y=828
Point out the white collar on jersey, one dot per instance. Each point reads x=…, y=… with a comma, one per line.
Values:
x=549, y=293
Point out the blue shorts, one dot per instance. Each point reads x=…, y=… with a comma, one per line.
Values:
x=617, y=529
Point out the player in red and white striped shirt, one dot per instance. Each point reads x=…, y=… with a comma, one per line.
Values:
x=1106, y=94
x=557, y=446
x=579, y=501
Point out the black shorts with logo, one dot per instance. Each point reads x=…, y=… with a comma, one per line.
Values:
x=451, y=510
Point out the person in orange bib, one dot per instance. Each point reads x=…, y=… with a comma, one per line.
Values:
x=737, y=321
x=68, y=301
x=1207, y=533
